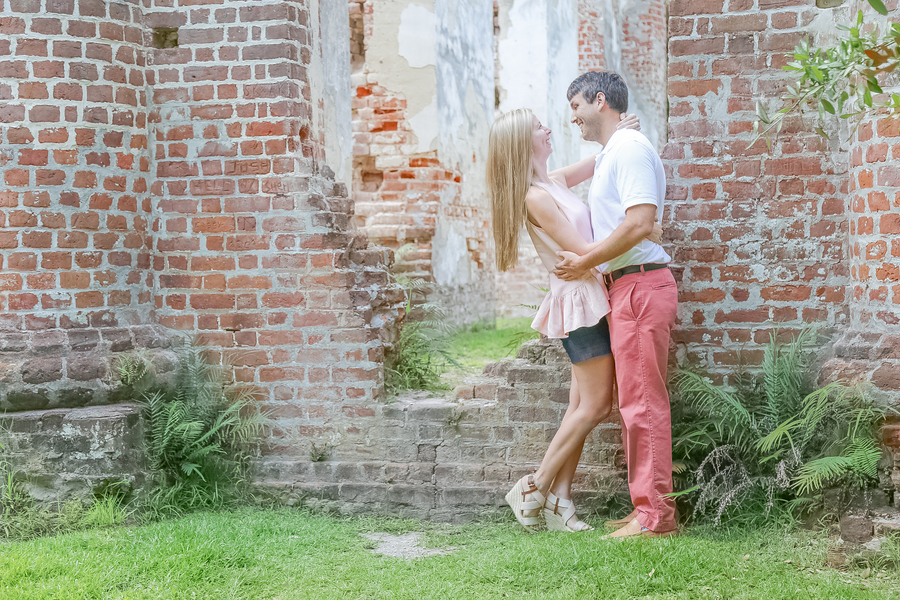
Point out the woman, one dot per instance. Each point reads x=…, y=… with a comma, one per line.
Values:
x=522, y=191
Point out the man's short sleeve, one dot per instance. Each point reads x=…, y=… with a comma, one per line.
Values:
x=636, y=175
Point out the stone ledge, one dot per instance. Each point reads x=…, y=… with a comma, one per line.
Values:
x=65, y=453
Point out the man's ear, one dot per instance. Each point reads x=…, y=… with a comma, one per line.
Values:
x=600, y=101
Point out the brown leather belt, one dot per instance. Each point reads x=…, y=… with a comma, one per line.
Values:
x=610, y=278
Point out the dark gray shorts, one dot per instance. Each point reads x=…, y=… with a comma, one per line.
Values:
x=586, y=343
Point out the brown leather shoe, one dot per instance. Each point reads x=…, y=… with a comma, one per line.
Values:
x=634, y=530
x=616, y=523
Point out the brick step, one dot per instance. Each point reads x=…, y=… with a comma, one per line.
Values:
x=455, y=455
x=68, y=452
x=413, y=473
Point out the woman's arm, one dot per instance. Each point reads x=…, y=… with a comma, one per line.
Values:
x=544, y=212
x=574, y=174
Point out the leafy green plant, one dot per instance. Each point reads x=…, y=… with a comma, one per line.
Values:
x=319, y=452
x=772, y=440
x=842, y=80
x=200, y=434
x=419, y=355
x=134, y=369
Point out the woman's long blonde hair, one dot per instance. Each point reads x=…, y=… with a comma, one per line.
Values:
x=509, y=175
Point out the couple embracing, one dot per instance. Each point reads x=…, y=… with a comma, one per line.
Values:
x=611, y=296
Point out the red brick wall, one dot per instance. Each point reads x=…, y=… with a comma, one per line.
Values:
x=759, y=237
x=186, y=192
x=874, y=201
x=74, y=209
x=868, y=347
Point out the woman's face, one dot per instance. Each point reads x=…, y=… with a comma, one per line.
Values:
x=540, y=139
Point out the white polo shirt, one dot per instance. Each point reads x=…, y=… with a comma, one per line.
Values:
x=627, y=172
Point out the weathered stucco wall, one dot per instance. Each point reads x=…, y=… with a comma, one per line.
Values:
x=423, y=107
x=330, y=68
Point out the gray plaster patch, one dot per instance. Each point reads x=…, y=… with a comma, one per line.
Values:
x=874, y=544
x=404, y=546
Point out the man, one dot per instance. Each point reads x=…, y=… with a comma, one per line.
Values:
x=626, y=199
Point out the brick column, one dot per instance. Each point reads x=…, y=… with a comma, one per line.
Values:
x=868, y=347
x=255, y=251
x=74, y=213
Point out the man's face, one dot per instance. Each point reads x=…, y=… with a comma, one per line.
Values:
x=587, y=116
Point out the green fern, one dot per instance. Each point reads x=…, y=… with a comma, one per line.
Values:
x=199, y=433
x=724, y=411
x=135, y=370
x=784, y=440
x=859, y=461
x=785, y=375
x=417, y=358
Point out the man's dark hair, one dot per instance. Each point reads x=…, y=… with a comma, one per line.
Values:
x=595, y=82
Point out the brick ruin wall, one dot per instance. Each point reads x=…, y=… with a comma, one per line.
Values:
x=159, y=192
x=154, y=192
x=759, y=237
x=765, y=241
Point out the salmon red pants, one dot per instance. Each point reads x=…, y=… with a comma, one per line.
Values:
x=643, y=314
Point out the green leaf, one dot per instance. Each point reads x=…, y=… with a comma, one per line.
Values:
x=867, y=98
x=827, y=105
x=879, y=7
x=873, y=85
x=683, y=492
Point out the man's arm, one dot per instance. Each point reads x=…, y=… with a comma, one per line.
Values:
x=635, y=181
x=638, y=224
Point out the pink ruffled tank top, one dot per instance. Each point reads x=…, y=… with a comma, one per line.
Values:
x=569, y=305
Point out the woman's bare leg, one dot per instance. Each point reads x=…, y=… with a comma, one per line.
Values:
x=594, y=384
x=562, y=484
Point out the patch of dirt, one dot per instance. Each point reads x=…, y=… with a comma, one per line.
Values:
x=404, y=546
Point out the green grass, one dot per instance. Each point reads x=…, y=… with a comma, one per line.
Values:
x=476, y=346
x=291, y=554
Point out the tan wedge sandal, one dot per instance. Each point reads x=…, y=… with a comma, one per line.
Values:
x=516, y=498
x=559, y=513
